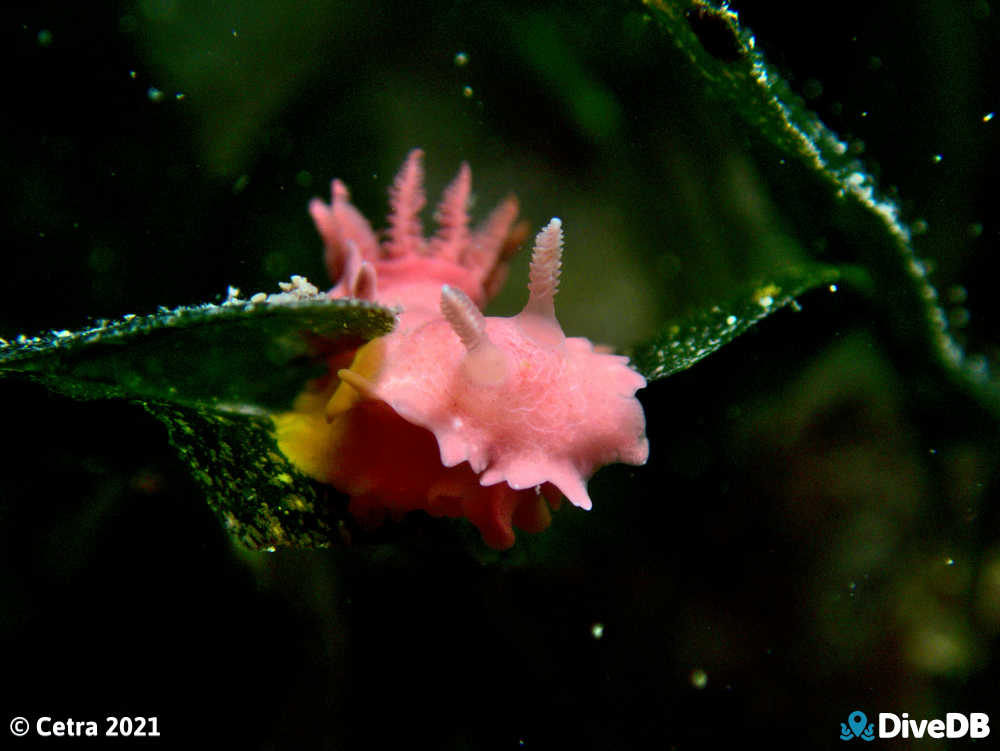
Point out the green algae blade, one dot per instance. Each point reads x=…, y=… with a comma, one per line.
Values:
x=828, y=197
x=237, y=357
x=681, y=344
x=212, y=374
x=260, y=498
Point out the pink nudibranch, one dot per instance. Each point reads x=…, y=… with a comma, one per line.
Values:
x=454, y=412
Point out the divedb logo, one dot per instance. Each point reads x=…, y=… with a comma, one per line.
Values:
x=954, y=725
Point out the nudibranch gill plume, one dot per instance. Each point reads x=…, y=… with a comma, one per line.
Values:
x=453, y=412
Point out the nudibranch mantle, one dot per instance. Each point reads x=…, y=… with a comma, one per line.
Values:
x=454, y=412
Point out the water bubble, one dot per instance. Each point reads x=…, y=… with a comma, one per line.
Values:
x=154, y=94
x=461, y=59
x=467, y=92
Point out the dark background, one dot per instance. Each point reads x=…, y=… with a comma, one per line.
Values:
x=815, y=531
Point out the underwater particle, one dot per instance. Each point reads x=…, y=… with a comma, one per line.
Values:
x=874, y=63
x=131, y=74
x=919, y=226
x=303, y=178
x=976, y=229
x=44, y=38
x=179, y=96
x=597, y=630
x=988, y=116
x=765, y=295
x=467, y=92
x=461, y=59
x=154, y=94
x=699, y=678
x=241, y=183
x=716, y=30
x=832, y=288
x=937, y=159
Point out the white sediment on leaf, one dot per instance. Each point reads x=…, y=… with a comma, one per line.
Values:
x=299, y=288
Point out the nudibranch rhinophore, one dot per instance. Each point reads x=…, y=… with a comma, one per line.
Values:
x=453, y=412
